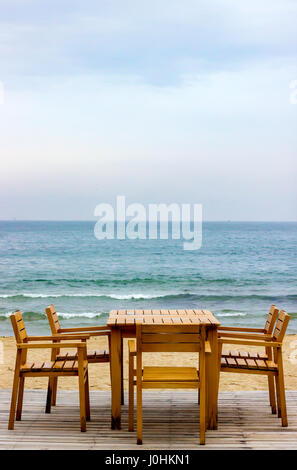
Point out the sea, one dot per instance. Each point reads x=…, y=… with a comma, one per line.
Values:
x=239, y=271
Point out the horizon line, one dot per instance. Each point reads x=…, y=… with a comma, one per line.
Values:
x=89, y=220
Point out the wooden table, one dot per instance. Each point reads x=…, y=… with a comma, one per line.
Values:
x=122, y=324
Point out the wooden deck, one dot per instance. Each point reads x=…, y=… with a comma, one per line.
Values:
x=245, y=422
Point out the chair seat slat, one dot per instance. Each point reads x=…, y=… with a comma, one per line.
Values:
x=170, y=374
x=91, y=355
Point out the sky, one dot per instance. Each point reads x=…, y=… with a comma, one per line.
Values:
x=160, y=101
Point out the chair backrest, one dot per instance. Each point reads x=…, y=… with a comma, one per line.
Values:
x=271, y=319
x=53, y=319
x=281, y=326
x=18, y=326
x=170, y=338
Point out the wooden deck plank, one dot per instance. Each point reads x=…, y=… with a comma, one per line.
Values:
x=177, y=427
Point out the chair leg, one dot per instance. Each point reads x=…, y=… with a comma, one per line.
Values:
x=202, y=401
x=122, y=373
x=279, y=413
x=139, y=416
x=82, y=399
x=49, y=395
x=20, y=399
x=272, y=394
x=202, y=414
x=54, y=391
x=14, y=394
x=87, y=394
x=131, y=393
x=271, y=386
x=109, y=351
x=282, y=396
x=206, y=405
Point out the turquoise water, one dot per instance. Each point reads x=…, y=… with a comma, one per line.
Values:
x=240, y=270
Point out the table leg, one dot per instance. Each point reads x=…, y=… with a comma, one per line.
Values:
x=122, y=373
x=116, y=369
x=212, y=374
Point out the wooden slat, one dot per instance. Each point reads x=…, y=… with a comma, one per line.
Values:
x=245, y=422
x=223, y=362
x=173, y=374
x=157, y=316
x=138, y=312
x=271, y=365
x=173, y=328
x=176, y=320
x=243, y=354
x=174, y=313
x=233, y=353
x=231, y=362
x=156, y=312
x=158, y=319
x=38, y=365
x=190, y=312
x=262, y=356
x=261, y=364
x=170, y=385
x=48, y=365
x=59, y=365
x=18, y=316
x=196, y=321
x=251, y=363
x=72, y=365
x=170, y=338
x=167, y=320
x=148, y=320
x=281, y=326
x=171, y=347
x=181, y=312
x=21, y=327
x=241, y=362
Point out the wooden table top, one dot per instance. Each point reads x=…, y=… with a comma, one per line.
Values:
x=160, y=317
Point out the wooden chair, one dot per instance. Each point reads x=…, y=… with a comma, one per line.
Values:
x=94, y=357
x=52, y=369
x=256, y=333
x=169, y=338
x=261, y=364
x=267, y=330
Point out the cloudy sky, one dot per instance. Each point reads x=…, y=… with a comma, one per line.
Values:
x=160, y=101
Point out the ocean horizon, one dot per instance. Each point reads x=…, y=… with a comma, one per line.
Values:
x=240, y=270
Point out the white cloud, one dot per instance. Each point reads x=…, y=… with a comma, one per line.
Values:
x=159, y=41
x=159, y=101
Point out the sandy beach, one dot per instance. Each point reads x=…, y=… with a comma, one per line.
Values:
x=99, y=373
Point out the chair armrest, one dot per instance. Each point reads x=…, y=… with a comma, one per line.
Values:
x=50, y=346
x=131, y=347
x=89, y=334
x=207, y=347
x=262, y=337
x=57, y=337
x=234, y=328
x=270, y=344
x=103, y=329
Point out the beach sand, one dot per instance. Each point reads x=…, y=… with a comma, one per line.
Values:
x=99, y=373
